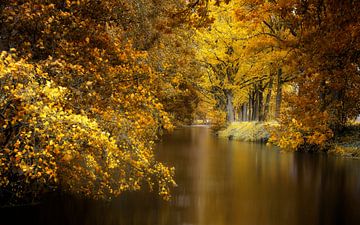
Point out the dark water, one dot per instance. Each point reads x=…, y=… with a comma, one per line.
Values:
x=222, y=183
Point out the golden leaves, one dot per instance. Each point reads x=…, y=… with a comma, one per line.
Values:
x=51, y=137
x=95, y=112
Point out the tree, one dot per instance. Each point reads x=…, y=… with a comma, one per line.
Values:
x=76, y=69
x=323, y=38
x=173, y=58
x=248, y=54
x=219, y=50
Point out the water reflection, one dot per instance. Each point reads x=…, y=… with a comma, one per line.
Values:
x=223, y=183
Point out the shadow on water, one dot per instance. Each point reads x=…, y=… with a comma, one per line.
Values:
x=221, y=182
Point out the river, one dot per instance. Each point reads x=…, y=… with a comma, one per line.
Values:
x=221, y=182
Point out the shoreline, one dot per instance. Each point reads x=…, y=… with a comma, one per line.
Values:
x=347, y=145
x=252, y=131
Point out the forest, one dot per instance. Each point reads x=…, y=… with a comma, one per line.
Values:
x=88, y=87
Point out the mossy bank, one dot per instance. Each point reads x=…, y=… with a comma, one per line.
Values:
x=247, y=131
x=346, y=145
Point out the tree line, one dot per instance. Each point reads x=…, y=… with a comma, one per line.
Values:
x=296, y=62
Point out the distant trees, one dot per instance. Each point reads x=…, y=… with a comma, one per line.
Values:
x=243, y=63
x=324, y=36
x=298, y=63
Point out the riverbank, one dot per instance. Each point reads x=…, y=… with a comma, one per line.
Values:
x=247, y=131
x=348, y=143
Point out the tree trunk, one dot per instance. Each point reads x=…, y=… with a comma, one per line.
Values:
x=261, y=101
x=230, y=113
x=256, y=103
x=268, y=99
x=278, y=94
x=250, y=106
x=244, y=110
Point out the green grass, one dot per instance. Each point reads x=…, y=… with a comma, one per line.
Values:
x=247, y=131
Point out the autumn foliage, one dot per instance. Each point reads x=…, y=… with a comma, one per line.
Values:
x=297, y=62
x=83, y=97
x=324, y=52
x=88, y=86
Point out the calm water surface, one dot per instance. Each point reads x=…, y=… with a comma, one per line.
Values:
x=222, y=182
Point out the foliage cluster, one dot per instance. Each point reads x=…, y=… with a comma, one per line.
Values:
x=259, y=53
x=87, y=87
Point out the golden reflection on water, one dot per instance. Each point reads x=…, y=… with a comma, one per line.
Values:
x=249, y=183
x=222, y=182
